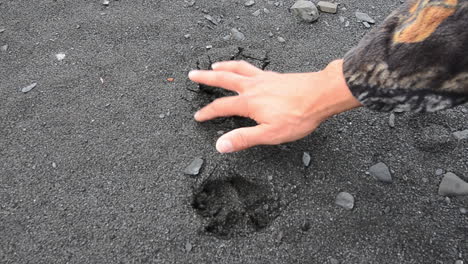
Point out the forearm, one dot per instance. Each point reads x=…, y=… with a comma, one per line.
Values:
x=417, y=60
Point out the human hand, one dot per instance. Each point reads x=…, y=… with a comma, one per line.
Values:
x=286, y=107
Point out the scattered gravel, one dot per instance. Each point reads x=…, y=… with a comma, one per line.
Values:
x=305, y=10
x=345, y=200
x=306, y=159
x=28, y=88
x=460, y=135
x=364, y=17
x=194, y=167
x=236, y=34
x=381, y=172
x=327, y=7
x=452, y=185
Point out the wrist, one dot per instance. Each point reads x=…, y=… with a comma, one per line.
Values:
x=338, y=95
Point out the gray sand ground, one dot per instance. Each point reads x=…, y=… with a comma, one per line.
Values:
x=92, y=158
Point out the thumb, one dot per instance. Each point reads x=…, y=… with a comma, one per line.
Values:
x=242, y=138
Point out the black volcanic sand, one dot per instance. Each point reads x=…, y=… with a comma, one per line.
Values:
x=92, y=159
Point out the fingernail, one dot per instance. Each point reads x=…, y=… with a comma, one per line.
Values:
x=224, y=146
x=197, y=115
x=215, y=65
x=192, y=74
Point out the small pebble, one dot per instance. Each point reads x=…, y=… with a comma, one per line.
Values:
x=54, y=165
x=187, y=36
x=210, y=18
x=266, y=11
x=2, y=29
x=306, y=159
x=281, y=39
x=305, y=226
x=387, y=210
x=366, y=24
x=347, y=24
x=334, y=261
x=270, y=178
x=463, y=210
x=188, y=247
x=249, y=3
x=459, y=261
x=439, y=172
x=105, y=2
x=342, y=19
x=270, y=34
x=161, y=116
x=391, y=120
x=227, y=37
x=209, y=46
x=257, y=13
x=452, y=185
x=236, y=34
x=4, y=48
x=60, y=56
x=345, y=200
x=327, y=7
x=460, y=135
x=364, y=17
x=381, y=172
x=194, y=167
x=28, y=88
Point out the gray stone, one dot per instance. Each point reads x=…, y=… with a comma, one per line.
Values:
x=210, y=18
x=306, y=159
x=439, y=172
x=381, y=172
x=364, y=17
x=249, y=3
x=194, y=167
x=257, y=13
x=345, y=200
x=391, y=120
x=236, y=34
x=367, y=25
x=4, y=48
x=281, y=39
x=460, y=135
x=188, y=246
x=342, y=19
x=327, y=7
x=452, y=185
x=28, y=88
x=305, y=10
x=347, y=24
